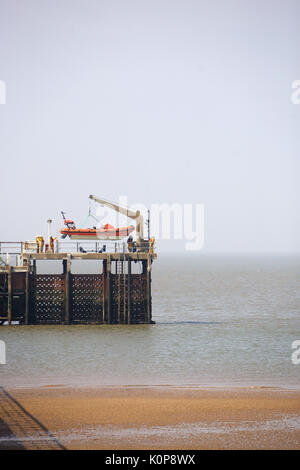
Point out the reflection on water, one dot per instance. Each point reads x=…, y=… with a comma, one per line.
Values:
x=219, y=321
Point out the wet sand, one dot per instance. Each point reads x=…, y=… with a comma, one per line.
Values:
x=149, y=418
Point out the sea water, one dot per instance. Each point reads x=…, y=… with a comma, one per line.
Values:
x=220, y=321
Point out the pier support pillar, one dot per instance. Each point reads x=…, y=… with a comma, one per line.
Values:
x=129, y=291
x=108, y=289
x=149, y=290
x=67, y=296
x=103, y=289
x=27, y=295
x=9, y=295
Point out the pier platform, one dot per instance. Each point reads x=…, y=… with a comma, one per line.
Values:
x=117, y=294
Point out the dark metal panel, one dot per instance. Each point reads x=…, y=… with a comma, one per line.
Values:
x=138, y=312
x=47, y=291
x=87, y=298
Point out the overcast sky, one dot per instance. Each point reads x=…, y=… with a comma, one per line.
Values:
x=164, y=101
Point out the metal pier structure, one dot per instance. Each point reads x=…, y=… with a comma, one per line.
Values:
x=117, y=294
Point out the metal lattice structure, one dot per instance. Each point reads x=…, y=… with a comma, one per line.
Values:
x=87, y=298
x=3, y=296
x=139, y=298
x=47, y=299
x=113, y=296
x=119, y=308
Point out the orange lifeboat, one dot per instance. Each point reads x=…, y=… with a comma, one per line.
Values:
x=106, y=232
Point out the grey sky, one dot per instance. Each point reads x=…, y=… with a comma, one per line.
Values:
x=163, y=101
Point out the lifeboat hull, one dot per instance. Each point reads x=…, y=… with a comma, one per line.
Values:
x=103, y=233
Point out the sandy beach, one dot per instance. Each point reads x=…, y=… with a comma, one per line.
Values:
x=54, y=417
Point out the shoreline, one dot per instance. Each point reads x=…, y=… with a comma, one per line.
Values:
x=155, y=387
x=150, y=417
x=76, y=385
x=82, y=382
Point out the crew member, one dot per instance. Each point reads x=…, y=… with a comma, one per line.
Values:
x=51, y=244
x=151, y=243
x=129, y=243
x=39, y=244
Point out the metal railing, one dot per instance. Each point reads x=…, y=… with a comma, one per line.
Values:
x=15, y=249
x=12, y=248
x=101, y=247
x=88, y=247
x=10, y=253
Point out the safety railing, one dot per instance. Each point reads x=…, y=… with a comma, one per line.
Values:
x=102, y=247
x=15, y=249
x=12, y=248
x=10, y=253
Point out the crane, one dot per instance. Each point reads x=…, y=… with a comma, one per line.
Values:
x=137, y=216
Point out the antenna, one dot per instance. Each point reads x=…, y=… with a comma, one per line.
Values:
x=148, y=223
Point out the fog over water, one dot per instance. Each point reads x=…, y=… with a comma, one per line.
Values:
x=162, y=101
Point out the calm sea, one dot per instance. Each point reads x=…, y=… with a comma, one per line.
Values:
x=220, y=321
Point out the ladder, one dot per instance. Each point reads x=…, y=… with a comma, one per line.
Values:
x=121, y=271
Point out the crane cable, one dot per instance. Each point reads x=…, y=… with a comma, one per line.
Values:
x=89, y=215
